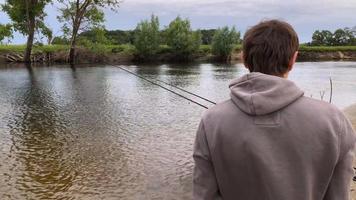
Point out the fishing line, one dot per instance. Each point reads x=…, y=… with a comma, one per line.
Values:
x=191, y=93
x=187, y=91
x=182, y=96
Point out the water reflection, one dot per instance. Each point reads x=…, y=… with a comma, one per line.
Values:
x=40, y=166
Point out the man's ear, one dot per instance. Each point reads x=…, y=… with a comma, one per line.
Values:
x=292, y=61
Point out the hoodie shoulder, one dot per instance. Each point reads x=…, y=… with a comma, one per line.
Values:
x=318, y=106
x=220, y=111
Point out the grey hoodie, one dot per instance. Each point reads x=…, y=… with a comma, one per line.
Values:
x=270, y=142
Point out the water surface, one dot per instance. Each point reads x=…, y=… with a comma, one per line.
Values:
x=97, y=132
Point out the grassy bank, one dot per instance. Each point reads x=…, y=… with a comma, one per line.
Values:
x=97, y=53
x=44, y=48
x=327, y=48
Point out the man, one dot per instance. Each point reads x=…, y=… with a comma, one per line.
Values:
x=269, y=141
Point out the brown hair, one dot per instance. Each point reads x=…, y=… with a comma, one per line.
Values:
x=269, y=46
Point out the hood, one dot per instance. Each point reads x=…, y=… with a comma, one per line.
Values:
x=259, y=94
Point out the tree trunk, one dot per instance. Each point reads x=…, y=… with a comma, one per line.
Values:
x=73, y=46
x=31, y=34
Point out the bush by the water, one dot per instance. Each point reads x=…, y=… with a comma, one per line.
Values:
x=224, y=42
x=181, y=39
x=147, y=38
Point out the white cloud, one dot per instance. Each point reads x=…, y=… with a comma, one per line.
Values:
x=304, y=15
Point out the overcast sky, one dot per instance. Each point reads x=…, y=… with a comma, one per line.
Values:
x=305, y=15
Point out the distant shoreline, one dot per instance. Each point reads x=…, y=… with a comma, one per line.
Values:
x=123, y=54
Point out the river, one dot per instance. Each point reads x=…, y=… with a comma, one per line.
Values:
x=98, y=132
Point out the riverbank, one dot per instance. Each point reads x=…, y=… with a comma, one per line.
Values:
x=123, y=54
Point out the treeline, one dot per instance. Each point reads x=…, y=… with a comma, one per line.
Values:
x=118, y=37
x=178, y=39
x=27, y=17
x=340, y=37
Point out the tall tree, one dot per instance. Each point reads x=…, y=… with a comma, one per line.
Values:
x=147, y=38
x=182, y=39
x=27, y=16
x=224, y=41
x=81, y=15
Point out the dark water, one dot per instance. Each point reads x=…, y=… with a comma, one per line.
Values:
x=98, y=132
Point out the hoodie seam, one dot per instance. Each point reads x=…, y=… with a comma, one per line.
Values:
x=248, y=79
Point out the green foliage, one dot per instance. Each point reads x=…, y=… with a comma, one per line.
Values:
x=123, y=48
x=207, y=36
x=181, y=38
x=224, y=42
x=147, y=37
x=326, y=48
x=60, y=40
x=121, y=37
x=114, y=37
x=340, y=37
x=92, y=18
x=17, y=11
x=37, y=49
x=164, y=49
x=5, y=32
x=47, y=32
x=205, y=49
x=96, y=36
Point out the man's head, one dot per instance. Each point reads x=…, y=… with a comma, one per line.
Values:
x=270, y=47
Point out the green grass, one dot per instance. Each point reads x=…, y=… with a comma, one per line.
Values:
x=36, y=49
x=326, y=48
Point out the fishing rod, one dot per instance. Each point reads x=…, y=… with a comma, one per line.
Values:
x=191, y=93
x=182, y=96
x=187, y=91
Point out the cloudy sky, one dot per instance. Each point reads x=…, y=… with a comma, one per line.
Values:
x=305, y=15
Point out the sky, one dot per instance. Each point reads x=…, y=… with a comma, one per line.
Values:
x=305, y=16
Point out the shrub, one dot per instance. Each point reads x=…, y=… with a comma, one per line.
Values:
x=147, y=38
x=224, y=42
x=182, y=39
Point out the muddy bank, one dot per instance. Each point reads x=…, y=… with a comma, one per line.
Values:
x=87, y=56
x=82, y=56
x=327, y=55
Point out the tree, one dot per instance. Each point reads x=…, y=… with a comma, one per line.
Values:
x=224, y=41
x=182, y=39
x=207, y=36
x=351, y=34
x=96, y=36
x=343, y=37
x=323, y=37
x=81, y=15
x=5, y=31
x=317, y=38
x=47, y=32
x=27, y=16
x=340, y=37
x=60, y=40
x=147, y=38
x=121, y=37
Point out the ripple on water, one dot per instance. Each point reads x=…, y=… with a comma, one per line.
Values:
x=99, y=133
